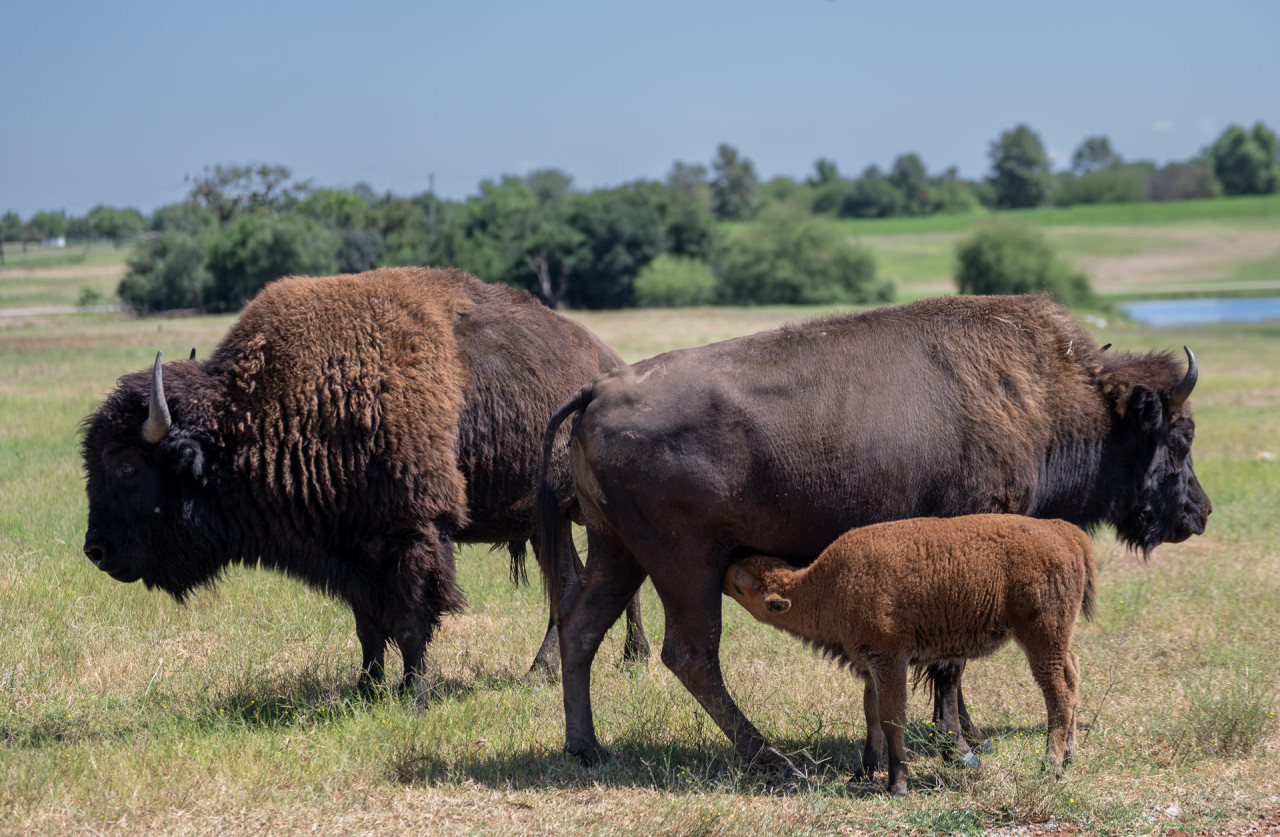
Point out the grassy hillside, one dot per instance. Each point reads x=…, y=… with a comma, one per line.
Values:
x=122, y=712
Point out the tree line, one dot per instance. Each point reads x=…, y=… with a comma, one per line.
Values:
x=642, y=243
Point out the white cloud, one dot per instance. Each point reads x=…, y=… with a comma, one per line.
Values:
x=1162, y=126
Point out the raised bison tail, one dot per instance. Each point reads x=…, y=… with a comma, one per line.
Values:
x=551, y=523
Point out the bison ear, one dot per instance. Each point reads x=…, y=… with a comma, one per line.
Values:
x=777, y=604
x=1145, y=409
x=190, y=458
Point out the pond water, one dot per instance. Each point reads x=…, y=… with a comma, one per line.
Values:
x=1163, y=312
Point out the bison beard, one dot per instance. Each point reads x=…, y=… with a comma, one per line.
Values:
x=346, y=431
x=779, y=442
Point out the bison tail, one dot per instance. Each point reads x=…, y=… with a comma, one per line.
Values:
x=516, y=549
x=551, y=523
x=1090, y=580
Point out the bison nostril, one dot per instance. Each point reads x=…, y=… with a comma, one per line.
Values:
x=94, y=553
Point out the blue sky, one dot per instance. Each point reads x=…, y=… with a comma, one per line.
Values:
x=115, y=102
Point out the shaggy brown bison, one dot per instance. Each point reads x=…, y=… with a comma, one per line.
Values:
x=346, y=431
x=907, y=592
x=779, y=442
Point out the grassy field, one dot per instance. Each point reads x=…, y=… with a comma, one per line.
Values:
x=122, y=712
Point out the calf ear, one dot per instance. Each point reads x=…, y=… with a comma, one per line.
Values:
x=1145, y=409
x=777, y=604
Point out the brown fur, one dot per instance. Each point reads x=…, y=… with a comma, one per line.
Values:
x=918, y=591
x=347, y=430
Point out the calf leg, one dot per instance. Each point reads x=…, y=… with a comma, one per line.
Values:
x=608, y=582
x=890, y=675
x=875, y=733
x=1054, y=671
x=949, y=715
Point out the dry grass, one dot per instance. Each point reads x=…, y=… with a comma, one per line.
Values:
x=121, y=712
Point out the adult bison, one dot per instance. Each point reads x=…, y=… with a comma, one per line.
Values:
x=346, y=431
x=779, y=442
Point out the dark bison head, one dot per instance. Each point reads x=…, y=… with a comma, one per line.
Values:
x=1152, y=439
x=151, y=511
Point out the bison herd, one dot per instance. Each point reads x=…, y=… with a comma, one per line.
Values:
x=349, y=430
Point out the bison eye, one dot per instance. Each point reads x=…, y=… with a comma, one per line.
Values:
x=127, y=470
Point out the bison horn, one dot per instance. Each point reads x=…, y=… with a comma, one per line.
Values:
x=1179, y=394
x=158, y=420
x=193, y=353
x=1103, y=349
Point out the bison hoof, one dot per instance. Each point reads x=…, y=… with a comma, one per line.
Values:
x=589, y=754
x=543, y=671
x=982, y=747
x=969, y=760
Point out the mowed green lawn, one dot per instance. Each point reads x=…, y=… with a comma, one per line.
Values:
x=123, y=712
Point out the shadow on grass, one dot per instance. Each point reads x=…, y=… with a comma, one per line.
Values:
x=829, y=769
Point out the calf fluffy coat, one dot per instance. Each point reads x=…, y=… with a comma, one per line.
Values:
x=927, y=589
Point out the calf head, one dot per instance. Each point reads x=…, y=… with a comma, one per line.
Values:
x=146, y=475
x=749, y=583
x=1156, y=496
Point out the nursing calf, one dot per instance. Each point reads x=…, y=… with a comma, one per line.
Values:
x=924, y=590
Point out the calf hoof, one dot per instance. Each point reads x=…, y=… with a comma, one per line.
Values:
x=590, y=754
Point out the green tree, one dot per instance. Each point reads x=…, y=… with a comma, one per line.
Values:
x=334, y=208
x=622, y=230
x=189, y=216
x=909, y=177
x=824, y=172
x=1245, y=162
x=790, y=263
x=232, y=190
x=256, y=249
x=1180, y=181
x=1006, y=258
x=166, y=272
x=112, y=224
x=1094, y=154
x=691, y=179
x=733, y=189
x=1020, y=169
x=871, y=196
x=49, y=224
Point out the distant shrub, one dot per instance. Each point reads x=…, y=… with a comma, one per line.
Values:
x=674, y=281
x=1117, y=184
x=1015, y=259
x=257, y=248
x=166, y=272
x=799, y=263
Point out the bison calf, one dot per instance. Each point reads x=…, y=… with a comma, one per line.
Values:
x=917, y=591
